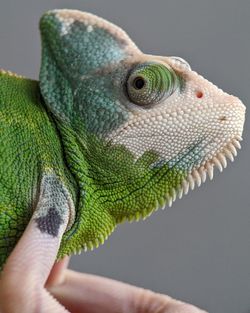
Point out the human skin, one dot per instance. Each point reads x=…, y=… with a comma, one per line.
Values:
x=37, y=284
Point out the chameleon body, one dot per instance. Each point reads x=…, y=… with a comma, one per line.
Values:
x=107, y=134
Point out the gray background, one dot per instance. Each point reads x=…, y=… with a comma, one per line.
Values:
x=198, y=250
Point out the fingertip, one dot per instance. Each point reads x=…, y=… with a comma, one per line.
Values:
x=34, y=254
x=57, y=274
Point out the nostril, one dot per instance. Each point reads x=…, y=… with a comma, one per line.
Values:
x=199, y=94
x=222, y=118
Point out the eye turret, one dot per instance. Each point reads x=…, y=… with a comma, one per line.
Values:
x=150, y=83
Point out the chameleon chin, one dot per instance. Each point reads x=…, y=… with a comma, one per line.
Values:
x=107, y=134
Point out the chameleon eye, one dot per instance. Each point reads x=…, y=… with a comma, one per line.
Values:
x=149, y=83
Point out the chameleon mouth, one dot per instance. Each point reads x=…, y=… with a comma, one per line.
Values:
x=199, y=174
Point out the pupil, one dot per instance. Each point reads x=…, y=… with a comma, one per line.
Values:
x=139, y=83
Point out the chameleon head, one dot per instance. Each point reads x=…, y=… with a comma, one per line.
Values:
x=192, y=124
x=174, y=123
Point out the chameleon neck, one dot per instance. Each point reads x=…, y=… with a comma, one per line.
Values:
x=113, y=187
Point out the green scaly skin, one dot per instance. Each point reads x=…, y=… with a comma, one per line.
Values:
x=117, y=149
x=29, y=146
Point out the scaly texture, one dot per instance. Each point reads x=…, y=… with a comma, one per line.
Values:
x=115, y=135
x=29, y=148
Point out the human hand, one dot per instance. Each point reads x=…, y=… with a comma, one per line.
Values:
x=31, y=282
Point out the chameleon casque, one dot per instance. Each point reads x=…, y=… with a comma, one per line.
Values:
x=107, y=134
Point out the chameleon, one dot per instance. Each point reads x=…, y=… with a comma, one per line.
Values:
x=107, y=134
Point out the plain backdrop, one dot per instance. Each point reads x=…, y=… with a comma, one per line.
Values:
x=198, y=250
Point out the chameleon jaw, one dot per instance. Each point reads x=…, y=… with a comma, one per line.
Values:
x=199, y=174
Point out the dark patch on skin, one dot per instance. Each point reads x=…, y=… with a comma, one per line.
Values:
x=50, y=223
x=222, y=119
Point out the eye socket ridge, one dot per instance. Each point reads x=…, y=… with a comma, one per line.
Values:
x=151, y=82
x=181, y=61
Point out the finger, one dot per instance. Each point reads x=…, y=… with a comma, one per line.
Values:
x=38, y=247
x=34, y=254
x=88, y=293
x=28, y=266
x=43, y=302
x=57, y=273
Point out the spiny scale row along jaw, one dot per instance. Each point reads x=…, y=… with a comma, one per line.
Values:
x=198, y=175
